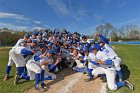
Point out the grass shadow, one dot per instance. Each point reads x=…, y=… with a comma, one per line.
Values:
x=125, y=71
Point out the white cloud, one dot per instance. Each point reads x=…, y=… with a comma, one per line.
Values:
x=58, y=6
x=130, y=21
x=67, y=8
x=15, y=27
x=20, y=19
x=117, y=3
x=39, y=28
x=122, y=3
x=19, y=27
x=14, y=16
x=37, y=22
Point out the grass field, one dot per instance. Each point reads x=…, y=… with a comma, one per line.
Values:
x=131, y=70
x=130, y=55
x=8, y=86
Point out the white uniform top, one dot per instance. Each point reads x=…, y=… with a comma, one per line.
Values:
x=86, y=57
x=17, y=44
x=28, y=46
x=91, y=56
x=18, y=49
x=46, y=59
x=103, y=57
x=109, y=51
x=65, y=53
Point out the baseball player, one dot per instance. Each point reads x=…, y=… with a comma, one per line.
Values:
x=47, y=64
x=33, y=67
x=106, y=67
x=11, y=60
x=18, y=58
x=106, y=47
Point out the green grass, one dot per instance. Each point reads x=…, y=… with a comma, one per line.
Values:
x=131, y=70
x=8, y=86
x=130, y=55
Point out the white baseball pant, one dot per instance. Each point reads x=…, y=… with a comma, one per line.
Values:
x=110, y=75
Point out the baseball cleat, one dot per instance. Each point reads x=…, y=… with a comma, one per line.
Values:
x=43, y=85
x=6, y=77
x=16, y=79
x=36, y=87
x=88, y=79
x=129, y=85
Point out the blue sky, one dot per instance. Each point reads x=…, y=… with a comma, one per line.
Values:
x=75, y=15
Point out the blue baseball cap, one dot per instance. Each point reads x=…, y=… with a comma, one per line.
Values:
x=50, y=44
x=95, y=47
x=40, y=33
x=101, y=42
x=54, y=34
x=87, y=45
x=35, y=33
x=81, y=56
x=27, y=35
x=84, y=49
x=50, y=51
x=34, y=41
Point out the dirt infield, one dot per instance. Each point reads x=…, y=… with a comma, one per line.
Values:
x=69, y=82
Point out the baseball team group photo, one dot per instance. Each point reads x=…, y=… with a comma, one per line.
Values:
x=69, y=46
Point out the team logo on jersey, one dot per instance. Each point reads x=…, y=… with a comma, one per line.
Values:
x=107, y=51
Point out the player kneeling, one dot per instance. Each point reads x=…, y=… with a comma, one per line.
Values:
x=106, y=67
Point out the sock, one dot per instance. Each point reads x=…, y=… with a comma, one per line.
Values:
x=18, y=70
x=25, y=76
x=90, y=73
x=8, y=68
x=48, y=78
x=120, y=84
x=37, y=78
x=79, y=69
x=87, y=69
x=119, y=74
x=42, y=75
x=23, y=69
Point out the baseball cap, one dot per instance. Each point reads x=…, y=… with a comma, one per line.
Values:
x=84, y=49
x=27, y=35
x=49, y=44
x=34, y=41
x=50, y=51
x=95, y=47
x=101, y=42
x=35, y=33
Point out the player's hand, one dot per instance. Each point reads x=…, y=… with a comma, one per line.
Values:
x=44, y=54
x=41, y=56
x=96, y=34
x=42, y=63
x=33, y=51
x=98, y=61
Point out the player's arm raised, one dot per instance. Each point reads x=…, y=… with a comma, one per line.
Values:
x=102, y=37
